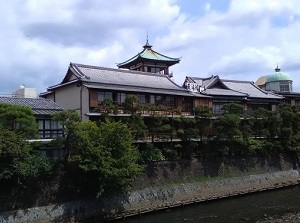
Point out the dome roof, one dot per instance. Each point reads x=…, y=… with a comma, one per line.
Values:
x=278, y=76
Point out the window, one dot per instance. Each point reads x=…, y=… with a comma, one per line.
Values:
x=159, y=100
x=142, y=98
x=103, y=95
x=121, y=98
x=49, y=128
x=170, y=101
x=153, y=69
x=284, y=87
x=217, y=108
x=152, y=99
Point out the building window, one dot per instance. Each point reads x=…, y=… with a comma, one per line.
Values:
x=187, y=104
x=121, y=98
x=218, y=108
x=170, y=101
x=142, y=98
x=49, y=129
x=153, y=69
x=284, y=87
x=152, y=99
x=103, y=95
x=159, y=100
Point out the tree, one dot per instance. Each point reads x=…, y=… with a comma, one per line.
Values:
x=131, y=104
x=107, y=151
x=233, y=108
x=19, y=119
x=108, y=106
x=69, y=120
x=228, y=129
x=289, y=129
x=135, y=121
x=261, y=122
x=17, y=159
x=203, y=114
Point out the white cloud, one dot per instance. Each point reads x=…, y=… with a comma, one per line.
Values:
x=207, y=7
x=244, y=42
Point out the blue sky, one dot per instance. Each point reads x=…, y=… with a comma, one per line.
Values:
x=235, y=39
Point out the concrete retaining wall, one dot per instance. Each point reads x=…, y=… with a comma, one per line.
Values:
x=153, y=199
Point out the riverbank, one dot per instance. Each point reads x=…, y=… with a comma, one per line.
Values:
x=154, y=199
x=290, y=217
x=149, y=200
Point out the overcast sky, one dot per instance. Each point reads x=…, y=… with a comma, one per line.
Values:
x=235, y=39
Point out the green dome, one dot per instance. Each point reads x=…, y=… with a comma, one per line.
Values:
x=278, y=76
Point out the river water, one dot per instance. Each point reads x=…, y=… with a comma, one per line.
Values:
x=247, y=208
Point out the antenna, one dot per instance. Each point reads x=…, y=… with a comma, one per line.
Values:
x=147, y=37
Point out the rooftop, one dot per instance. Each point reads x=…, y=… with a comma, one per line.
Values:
x=119, y=79
x=40, y=106
x=148, y=54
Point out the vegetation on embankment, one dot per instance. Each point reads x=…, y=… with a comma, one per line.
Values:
x=100, y=158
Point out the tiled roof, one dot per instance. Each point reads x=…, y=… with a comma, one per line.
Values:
x=205, y=82
x=225, y=92
x=40, y=106
x=127, y=80
x=249, y=88
x=231, y=87
x=150, y=54
x=139, y=89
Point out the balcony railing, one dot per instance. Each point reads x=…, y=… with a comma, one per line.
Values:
x=148, y=109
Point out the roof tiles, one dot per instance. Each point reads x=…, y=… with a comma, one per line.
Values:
x=38, y=105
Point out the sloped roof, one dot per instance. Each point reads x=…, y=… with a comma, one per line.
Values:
x=149, y=54
x=206, y=82
x=225, y=92
x=119, y=79
x=40, y=106
x=231, y=88
x=249, y=88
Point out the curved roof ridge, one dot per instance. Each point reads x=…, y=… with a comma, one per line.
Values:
x=132, y=58
x=119, y=70
x=171, y=58
x=150, y=52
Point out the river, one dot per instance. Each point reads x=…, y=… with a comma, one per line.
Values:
x=247, y=208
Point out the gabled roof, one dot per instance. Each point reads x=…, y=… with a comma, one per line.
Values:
x=231, y=88
x=148, y=54
x=119, y=79
x=223, y=92
x=207, y=82
x=250, y=88
x=40, y=106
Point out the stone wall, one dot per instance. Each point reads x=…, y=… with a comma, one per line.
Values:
x=168, y=172
x=152, y=199
x=168, y=184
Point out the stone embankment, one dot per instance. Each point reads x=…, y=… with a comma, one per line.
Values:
x=290, y=218
x=148, y=200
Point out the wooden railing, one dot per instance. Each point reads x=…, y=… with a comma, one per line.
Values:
x=155, y=110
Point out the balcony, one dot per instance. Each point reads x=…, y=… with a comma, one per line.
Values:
x=144, y=109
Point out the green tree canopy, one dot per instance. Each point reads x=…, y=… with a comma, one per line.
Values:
x=17, y=159
x=69, y=120
x=19, y=119
x=203, y=114
x=107, y=150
